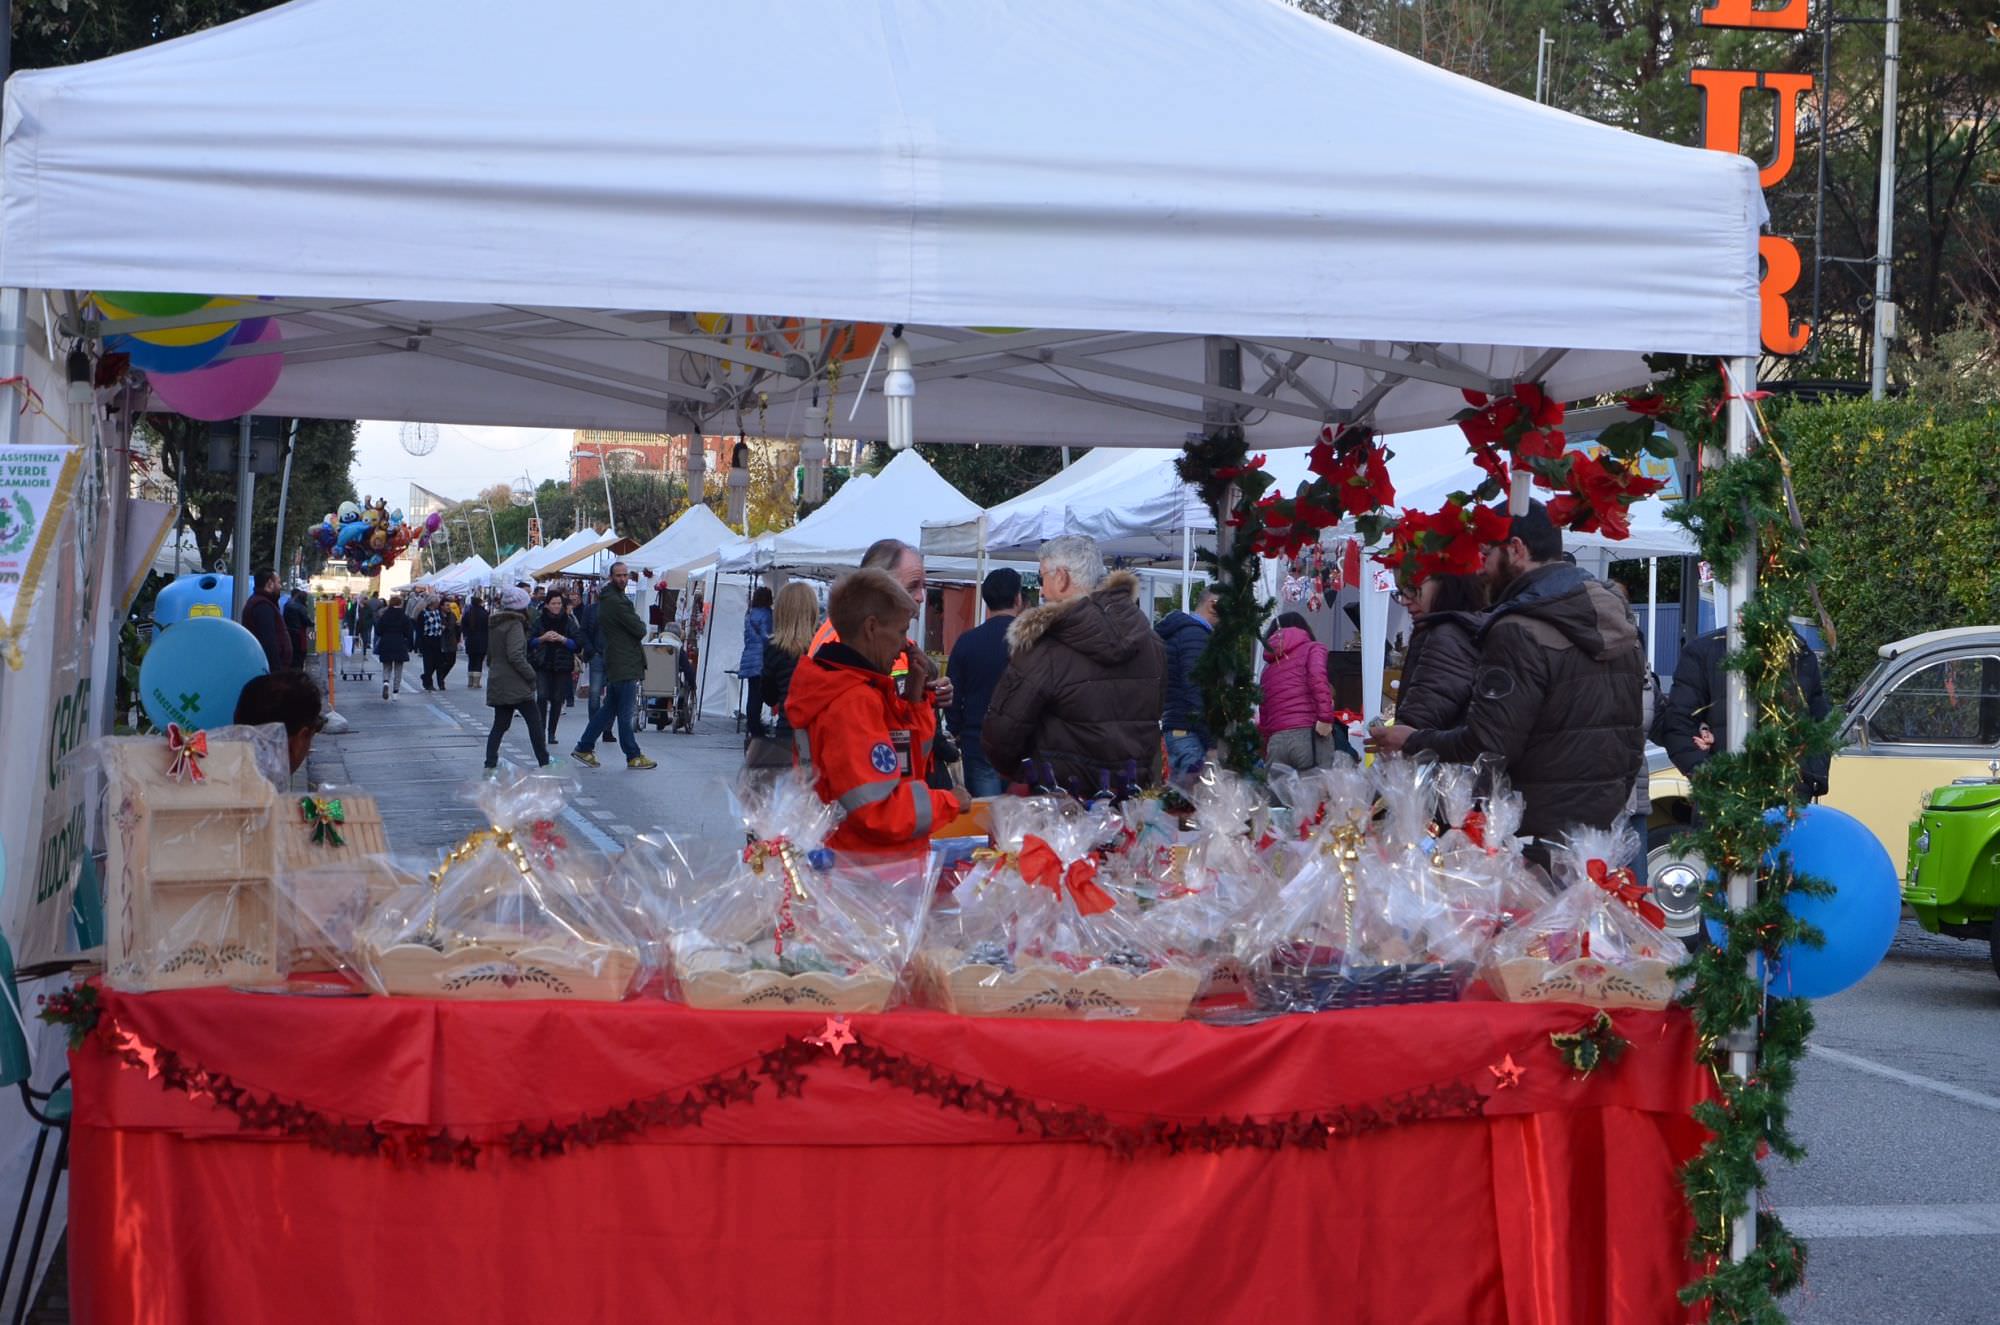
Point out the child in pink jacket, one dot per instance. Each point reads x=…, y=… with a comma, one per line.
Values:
x=1296, y=716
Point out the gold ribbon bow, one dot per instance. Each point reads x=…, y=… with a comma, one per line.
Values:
x=498, y=838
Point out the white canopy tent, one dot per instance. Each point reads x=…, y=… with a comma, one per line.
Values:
x=697, y=537
x=472, y=573
x=1375, y=233
x=513, y=560
x=891, y=504
x=556, y=551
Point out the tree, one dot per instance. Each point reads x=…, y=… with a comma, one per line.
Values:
x=55, y=32
x=990, y=475
x=321, y=463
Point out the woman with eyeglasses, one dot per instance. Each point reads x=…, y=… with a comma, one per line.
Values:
x=1446, y=612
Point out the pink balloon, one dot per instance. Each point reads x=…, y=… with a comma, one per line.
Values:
x=227, y=389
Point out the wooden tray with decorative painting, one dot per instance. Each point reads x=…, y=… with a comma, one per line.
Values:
x=974, y=989
x=866, y=990
x=1645, y=982
x=493, y=969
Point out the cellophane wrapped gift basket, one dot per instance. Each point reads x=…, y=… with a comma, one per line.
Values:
x=1201, y=890
x=1363, y=921
x=1599, y=941
x=656, y=884
x=193, y=831
x=796, y=926
x=332, y=873
x=513, y=912
x=1041, y=928
x=1479, y=852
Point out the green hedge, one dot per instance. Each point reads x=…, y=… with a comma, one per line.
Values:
x=1904, y=498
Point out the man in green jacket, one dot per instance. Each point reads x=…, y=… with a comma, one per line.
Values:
x=624, y=664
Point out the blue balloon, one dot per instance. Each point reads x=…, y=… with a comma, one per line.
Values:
x=170, y=358
x=1859, y=919
x=193, y=673
x=195, y=594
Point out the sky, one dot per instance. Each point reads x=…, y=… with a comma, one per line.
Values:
x=466, y=460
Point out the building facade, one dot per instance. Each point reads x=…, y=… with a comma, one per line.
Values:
x=637, y=453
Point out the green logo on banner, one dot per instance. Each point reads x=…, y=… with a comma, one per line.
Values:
x=17, y=527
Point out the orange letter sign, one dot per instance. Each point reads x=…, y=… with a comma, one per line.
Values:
x=1782, y=333
x=1788, y=17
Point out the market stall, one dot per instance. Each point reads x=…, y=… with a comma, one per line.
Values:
x=1262, y=266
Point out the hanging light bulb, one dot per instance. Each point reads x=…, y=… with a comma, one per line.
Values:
x=739, y=482
x=697, y=466
x=812, y=455
x=899, y=395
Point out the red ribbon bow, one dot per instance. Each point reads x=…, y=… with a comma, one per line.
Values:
x=1474, y=828
x=188, y=750
x=1041, y=866
x=1621, y=884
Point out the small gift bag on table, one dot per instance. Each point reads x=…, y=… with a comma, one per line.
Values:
x=513, y=912
x=193, y=851
x=1362, y=922
x=1041, y=929
x=795, y=925
x=1599, y=941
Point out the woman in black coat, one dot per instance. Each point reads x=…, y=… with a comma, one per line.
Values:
x=1446, y=613
x=394, y=636
x=552, y=648
x=473, y=631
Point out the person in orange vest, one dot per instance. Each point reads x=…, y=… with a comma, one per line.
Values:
x=869, y=735
x=905, y=565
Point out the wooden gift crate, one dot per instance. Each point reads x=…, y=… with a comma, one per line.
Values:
x=329, y=890
x=189, y=897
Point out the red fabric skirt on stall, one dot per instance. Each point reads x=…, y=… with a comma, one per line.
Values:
x=262, y=1158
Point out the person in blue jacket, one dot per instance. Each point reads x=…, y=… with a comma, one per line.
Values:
x=1186, y=636
x=976, y=661
x=750, y=669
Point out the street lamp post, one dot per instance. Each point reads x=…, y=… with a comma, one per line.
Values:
x=603, y=472
x=487, y=511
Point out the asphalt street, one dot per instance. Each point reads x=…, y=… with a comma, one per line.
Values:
x=1899, y=1104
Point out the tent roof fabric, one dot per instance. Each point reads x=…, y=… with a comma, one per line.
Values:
x=1378, y=232
x=556, y=551
x=696, y=535
x=569, y=559
x=891, y=504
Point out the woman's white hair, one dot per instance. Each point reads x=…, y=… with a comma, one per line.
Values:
x=1076, y=554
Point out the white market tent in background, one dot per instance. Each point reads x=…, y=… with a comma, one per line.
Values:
x=472, y=573
x=514, y=559
x=1374, y=232
x=562, y=548
x=697, y=537
x=891, y=504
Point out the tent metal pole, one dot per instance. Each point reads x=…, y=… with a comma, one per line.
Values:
x=1740, y=379
x=1187, y=564
x=284, y=495
x=246, y=488
x=1652, y=612
x=979, y=593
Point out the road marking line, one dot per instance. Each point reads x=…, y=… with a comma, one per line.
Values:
x=1977, y=1099
x=623, y=830
x=1892, y=1221
x=440, y=714
x=589, y=830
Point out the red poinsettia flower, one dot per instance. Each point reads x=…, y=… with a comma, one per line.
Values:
x=1490, y=525
x=1542, y=412
x=1651, y=404
x=1488, y=459
x=1540, y=445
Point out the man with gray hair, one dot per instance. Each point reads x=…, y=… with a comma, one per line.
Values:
x=905, y=565
x=1078, y=708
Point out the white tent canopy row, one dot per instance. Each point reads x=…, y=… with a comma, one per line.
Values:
x=891, y=504
x=1365, y=264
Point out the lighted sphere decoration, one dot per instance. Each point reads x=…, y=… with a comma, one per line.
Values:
x=521, y=495
x=418, y=438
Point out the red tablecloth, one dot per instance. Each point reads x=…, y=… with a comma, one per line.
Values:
x=264, y=1158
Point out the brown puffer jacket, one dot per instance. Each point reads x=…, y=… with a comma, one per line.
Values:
x=1556, y=695
x=1078, y=708
x=1438, y=671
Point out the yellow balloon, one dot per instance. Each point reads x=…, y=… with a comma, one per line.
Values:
x=179, y=336
x=713, y=324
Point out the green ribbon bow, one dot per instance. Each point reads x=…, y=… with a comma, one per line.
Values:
x=323, y=813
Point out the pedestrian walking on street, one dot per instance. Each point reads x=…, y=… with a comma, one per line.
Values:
x=263, y=618
x=365, y=613
x=553, y=649
x=750, y=667
x=510, y=691
x=473, y=630
x=591, y=653
x=624, y=665
x=393, y=631
x=1296, y=715
x=448, y=645
x=430, y=616
x=299, y=621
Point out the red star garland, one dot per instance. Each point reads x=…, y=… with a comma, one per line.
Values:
x=786, y=1067
x=1351, y=471
x=1506, y=1073
x=835, y=1036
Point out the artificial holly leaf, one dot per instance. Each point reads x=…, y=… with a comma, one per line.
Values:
x=1661, y=448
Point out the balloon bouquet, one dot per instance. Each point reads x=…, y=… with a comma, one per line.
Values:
x=370, y=536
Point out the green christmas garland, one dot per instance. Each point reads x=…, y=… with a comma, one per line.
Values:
x=1223, y=675
x=1742, y=504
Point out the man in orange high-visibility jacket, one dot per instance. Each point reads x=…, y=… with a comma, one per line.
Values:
x=869, y=736
x=905, y=565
